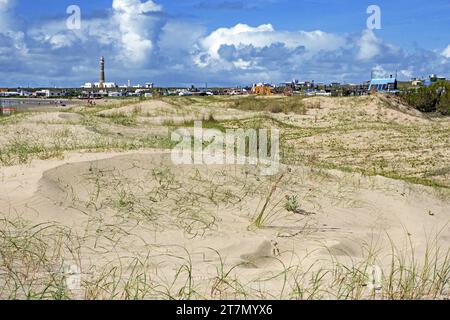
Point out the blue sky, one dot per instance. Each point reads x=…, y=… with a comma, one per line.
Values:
x=222, y=42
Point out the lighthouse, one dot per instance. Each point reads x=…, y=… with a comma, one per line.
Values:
x=102, y=73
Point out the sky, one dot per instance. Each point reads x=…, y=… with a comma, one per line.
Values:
x=220, y=42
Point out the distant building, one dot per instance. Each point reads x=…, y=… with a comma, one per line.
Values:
x=383, y=85
x=141, y=92
x=262, y=89
x=185, y=93
x=9, y=94
x=102, y=83
x=323, y=93
x=87, y=85
x=115, y=94
x=24, y=93
x=433, y=79
x=105, y=85
x=49, y=93
x=99, y=85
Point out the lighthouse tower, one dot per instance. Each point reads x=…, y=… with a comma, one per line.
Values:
x=102, y=73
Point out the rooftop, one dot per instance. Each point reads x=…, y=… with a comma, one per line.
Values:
x=383, y=81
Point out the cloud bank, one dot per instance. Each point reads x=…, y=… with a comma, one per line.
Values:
x=142, y=42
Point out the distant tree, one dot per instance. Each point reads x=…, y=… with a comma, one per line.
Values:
x=444, y=100
x=424, y=99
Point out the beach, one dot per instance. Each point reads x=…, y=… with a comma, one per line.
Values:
x=100, y=194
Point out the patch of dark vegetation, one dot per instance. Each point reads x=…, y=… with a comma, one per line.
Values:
x=435, y=98
x=274, y=105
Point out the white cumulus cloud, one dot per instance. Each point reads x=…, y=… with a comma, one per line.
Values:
x=244, y=38
x=138, y=28
x=446, y=52
x=14, y=37
x=369, y=45
x=130, y=30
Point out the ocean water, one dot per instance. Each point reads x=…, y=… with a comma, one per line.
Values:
x=27, y=103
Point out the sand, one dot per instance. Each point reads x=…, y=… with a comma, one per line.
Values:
x=131, y=214
x=162, y=212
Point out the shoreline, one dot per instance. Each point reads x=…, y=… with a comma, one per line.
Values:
x=31, y=103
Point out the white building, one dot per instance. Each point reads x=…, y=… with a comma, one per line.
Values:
x=87, y=85
x=185, y=93
x=115, y=94
x=106, y=85
x=24, y=93
x=49, y=93
x=9, y=94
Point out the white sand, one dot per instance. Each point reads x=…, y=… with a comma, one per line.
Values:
x=351, y=212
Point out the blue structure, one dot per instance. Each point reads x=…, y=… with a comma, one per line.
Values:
x=383, y=85
x=427, y=83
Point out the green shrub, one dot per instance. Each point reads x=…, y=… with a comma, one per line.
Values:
x=444, y=102
x=424, y=99
x=430, y=99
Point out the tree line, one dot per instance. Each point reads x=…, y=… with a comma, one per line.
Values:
x=435, y=98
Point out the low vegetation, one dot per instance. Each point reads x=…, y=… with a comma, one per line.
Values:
x=272, y=105
x=435, y=98
x=130, y=210
x=36, y=263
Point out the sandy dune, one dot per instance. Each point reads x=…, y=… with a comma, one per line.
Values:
x=140, y=205
x=94, y=189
